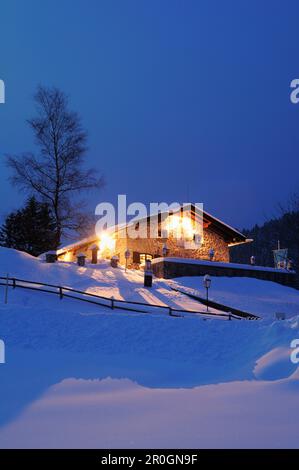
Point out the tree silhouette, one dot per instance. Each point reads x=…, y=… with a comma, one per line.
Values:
x=57, y=173
x=30, y=229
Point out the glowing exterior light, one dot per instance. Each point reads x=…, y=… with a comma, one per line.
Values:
x=187, y=224
x=106, y=242
x=207, y=281
x=181, y=226
x=173, y=222
x=68, y=256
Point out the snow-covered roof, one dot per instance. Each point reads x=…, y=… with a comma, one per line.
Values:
x=226, y=225
x=220, y=264
x=236, y=236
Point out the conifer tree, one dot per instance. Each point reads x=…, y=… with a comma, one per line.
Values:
x=31, y=229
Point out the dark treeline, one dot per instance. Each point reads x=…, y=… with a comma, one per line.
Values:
x=284, y=228
x=30, y=229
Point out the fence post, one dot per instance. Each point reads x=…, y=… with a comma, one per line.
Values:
x=6, y=290
x=229, y=315
x=112, y=302
x=60, y=293
x=13, y=283
x=170, y=311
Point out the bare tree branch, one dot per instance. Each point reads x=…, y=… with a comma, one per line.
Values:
x=57, y=173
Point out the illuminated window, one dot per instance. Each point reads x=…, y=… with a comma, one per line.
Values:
x=144, y=257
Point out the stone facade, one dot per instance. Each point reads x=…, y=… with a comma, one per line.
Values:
x=154, y=247
x=175, y=247
x=168, y=269
x=141, y=240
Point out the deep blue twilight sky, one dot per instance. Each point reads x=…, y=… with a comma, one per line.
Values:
x=182, y=99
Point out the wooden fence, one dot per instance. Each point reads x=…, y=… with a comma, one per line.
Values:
x=108, y=302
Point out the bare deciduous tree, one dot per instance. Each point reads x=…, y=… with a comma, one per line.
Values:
x=56, y=174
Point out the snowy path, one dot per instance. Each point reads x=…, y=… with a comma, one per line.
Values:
x=100, y=280
x=262, y=298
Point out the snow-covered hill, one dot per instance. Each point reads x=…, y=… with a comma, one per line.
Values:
x=98, y=279
x=262, y=298
x=155, y=380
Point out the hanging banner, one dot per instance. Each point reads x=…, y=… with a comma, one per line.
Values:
x=280, y=258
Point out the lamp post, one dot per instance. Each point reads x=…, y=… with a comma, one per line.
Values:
x=207, y=284
x=164, y=250
x=148, y=274
x=127, y=256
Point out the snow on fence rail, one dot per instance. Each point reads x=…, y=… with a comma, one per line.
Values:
x=109, y=302
x=218, y=306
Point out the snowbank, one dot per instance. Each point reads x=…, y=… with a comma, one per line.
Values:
x=220, y=264
x=118, y=413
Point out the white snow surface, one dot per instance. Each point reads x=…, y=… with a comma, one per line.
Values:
x=262, y=298
x=79, y=375
x=98, y=279
x=222, y=264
